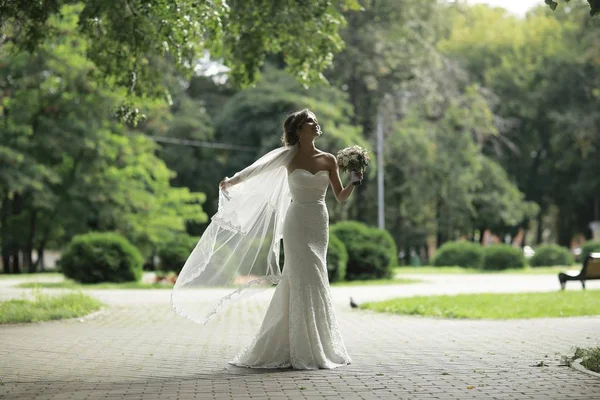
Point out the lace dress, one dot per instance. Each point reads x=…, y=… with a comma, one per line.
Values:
x=299, y=329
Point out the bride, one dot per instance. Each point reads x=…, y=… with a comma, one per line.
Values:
x=299, y=329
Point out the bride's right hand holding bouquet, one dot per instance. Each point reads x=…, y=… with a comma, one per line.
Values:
x=354, y=159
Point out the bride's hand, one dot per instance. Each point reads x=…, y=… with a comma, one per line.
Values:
x=224, y=184
x=356, y=176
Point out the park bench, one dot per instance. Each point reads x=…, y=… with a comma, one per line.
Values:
x=590, y=270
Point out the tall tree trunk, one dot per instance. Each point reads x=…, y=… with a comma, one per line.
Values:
x=16, y=261
x=28, y=251
x=539, y=229
x=39, y=263
x=525, y=227
x=440, y=234
x=565, y=230
x=17, y=208
x=4, y=241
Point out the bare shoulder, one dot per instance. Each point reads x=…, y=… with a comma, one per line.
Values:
x=330, y=158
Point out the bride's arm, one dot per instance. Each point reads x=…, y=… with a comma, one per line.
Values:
x=340, y=192
x=242, y=175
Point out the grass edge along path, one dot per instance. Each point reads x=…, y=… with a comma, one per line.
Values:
x=69, y=284
x=44, y=307
x=554, y=304
x=462, y=270
x=376, y=282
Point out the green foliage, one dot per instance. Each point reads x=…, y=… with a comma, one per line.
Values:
x=368, y=261
x=498, y=202
x=462, y=254
x=590, y=358
x=126, y=39
x=69, y=169
x=175, y=252
x=530, y=65
x=101, y=257
x=502, y=256
x=549, y=255
x=337, y=259
x=369, y=252
x=591, y=246
x=350, y=232
x=254, y=118
x=385, y=241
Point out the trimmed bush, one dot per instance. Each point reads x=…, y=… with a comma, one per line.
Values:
x=502, y=256
x=461, y=254
x=101, y=257
x=591, y=246
x=368, y=260
x=337, y=259
x=175, y=252
x=549, y=255
x=361, y=265
x=350, y=232
x=383, y=238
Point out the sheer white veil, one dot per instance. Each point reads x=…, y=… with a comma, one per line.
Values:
x=238, y=254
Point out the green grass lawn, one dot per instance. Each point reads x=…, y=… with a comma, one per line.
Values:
x=461, y=270
x=69, y=284
x=45, y=308
x=400, y=281
x=495, y=306
x=590, y=358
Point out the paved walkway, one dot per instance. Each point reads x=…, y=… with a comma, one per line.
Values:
x=138, y=349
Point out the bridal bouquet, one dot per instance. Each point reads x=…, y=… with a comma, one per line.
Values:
x=353, y=159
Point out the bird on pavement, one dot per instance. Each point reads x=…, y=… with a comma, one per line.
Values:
x=353, y=304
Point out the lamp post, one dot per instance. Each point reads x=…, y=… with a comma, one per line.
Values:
x=380, y=188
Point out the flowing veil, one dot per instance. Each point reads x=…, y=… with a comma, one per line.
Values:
x=238, y=253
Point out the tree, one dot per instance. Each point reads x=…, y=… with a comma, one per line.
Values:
x=545, y=76
x=254, y=118
x=66, y=167
x=124, y=39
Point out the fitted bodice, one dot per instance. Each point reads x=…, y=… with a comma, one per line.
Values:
x=306, y=187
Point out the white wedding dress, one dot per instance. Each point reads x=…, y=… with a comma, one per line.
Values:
x=299, y=329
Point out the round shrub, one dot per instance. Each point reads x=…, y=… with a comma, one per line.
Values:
x=502, y=256
x=337, y=259
x=355, y=236
x=101, y=257
x=175, y=252
x=383, y=238
x=351, y=232
x=462, y=254
x=549, y=255
x=368, y=261
x=591, y=246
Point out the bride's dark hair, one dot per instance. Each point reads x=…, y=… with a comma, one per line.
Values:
x=293, y=123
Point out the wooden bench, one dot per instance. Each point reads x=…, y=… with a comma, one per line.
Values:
x=590, y=270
